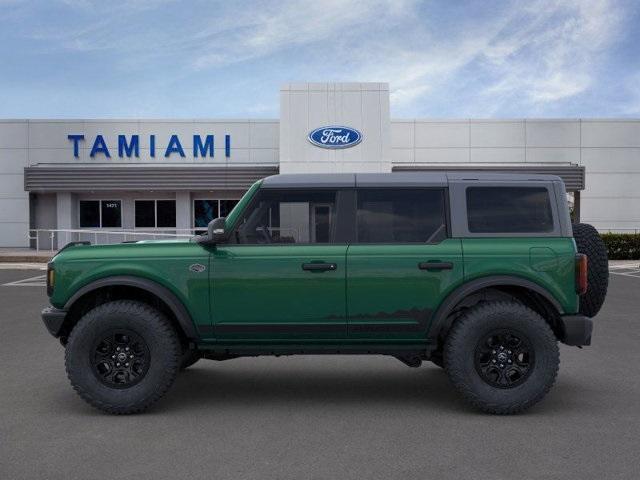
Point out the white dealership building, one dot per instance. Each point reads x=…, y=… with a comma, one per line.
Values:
x=146, y=175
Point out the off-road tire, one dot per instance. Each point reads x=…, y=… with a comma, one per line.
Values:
x=590, y=243
x=148, y=324
x=436, y=359
x=460, y=362
x=189, y=357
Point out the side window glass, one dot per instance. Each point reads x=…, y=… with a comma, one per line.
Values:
x=401, y=216
x=509, y=210
x=279, y=216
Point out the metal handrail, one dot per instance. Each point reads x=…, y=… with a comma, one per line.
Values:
x=73, y=234
x=34, y=234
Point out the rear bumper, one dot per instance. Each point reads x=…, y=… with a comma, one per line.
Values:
x=53, y=319
x=576, y=330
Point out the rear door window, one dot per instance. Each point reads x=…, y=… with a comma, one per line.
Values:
x=509, y=210
x=401, y=216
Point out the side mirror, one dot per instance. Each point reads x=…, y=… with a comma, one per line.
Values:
x=216, y=231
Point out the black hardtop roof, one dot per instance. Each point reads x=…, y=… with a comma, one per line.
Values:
x=396, y=179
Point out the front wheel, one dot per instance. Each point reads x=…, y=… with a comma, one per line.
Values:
x=122, y=356
x=502, y=357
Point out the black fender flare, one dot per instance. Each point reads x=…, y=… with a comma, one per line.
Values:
x=446, y=307
x=167, y=296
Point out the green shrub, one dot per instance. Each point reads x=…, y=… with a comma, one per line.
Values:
x=622, y=246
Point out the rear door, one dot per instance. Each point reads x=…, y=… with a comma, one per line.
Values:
x=401, y=264
x=284, y=276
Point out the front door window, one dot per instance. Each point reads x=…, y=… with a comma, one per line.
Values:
x=289, y=217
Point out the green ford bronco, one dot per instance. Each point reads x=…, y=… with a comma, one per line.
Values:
x=481, y=274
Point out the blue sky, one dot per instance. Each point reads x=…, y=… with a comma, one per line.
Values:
x=209, y=59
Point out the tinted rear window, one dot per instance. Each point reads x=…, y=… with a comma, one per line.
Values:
x=509, y=210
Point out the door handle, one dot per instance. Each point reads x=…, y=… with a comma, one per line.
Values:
x=319, y=267
x=435, y=266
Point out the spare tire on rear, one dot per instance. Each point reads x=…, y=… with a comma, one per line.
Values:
x=589, y=242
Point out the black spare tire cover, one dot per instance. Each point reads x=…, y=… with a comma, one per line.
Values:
x=589, y=242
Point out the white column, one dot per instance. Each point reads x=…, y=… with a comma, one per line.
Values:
x=66, y=213
x=183, y=210
x=64, y=210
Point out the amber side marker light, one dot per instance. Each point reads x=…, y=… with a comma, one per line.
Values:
x=51, y=280
x=581, y=273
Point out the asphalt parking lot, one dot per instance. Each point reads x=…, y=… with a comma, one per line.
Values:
x=318, y=417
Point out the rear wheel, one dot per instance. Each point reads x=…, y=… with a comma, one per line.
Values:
x=122, y=356
x=436, y=359
x=502, y=357
x=589, y=242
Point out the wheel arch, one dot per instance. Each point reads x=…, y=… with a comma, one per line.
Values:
x=540, y=300
x=141, y=288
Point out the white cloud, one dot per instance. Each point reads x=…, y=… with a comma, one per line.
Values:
x=533, y=53
x=556, y=53
x=287, y=24
x=545, y=52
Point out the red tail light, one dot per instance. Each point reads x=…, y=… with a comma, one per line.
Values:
x=581, y=274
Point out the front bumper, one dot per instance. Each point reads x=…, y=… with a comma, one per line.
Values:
x=53, y=319
x=576, y=330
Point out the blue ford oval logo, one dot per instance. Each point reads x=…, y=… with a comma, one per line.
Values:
x=335, y=137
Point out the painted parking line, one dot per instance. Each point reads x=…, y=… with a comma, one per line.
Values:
x=22, y=266
x=38, y=281
x=626, y=269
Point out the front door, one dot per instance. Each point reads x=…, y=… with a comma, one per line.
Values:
x=401, y=264
x=282, y=276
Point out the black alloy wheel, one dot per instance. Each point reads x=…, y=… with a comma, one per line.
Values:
x=504, y=358
x=120, y=358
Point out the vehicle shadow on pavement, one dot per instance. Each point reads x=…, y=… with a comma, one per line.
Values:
x=207, y=386
x=425, y=387
x=255, y=386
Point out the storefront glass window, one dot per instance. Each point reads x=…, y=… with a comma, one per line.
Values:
x=166, y=213
x=155, y=213
x=111, y=211
x=90, y=214
x=203, y=212
x=226, y=206
x=145, y=214
x=100, y=214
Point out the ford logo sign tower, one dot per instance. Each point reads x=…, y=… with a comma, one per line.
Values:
x=335, y=136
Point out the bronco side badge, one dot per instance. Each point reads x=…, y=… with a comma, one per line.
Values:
x=197, y=268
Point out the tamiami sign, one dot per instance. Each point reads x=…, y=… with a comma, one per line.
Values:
x=129, y=146
x=332, y=137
